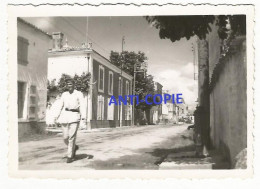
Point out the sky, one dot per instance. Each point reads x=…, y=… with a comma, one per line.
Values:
x=170, y=63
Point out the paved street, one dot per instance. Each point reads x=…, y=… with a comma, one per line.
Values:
x=123, y=148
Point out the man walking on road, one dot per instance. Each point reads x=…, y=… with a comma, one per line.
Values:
x=70, y=113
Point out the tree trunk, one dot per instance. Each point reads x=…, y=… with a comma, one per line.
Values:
x=204, y=100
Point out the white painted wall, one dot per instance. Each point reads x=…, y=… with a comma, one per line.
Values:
x=71, y=65
x=35, y=72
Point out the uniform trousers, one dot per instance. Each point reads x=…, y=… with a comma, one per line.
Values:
x=69, y=136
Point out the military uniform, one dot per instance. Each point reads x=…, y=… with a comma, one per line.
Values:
x=71, y=111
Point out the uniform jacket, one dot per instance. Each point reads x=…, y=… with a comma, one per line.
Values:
x=69, y=101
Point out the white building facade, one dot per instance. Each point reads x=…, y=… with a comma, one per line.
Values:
x=106, y=80
x=32, y=58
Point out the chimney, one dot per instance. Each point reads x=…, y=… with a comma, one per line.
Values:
x=57, y=38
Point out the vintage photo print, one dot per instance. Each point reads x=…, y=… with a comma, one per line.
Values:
x=115, y=91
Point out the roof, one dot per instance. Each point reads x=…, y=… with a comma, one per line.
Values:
x=33, y=26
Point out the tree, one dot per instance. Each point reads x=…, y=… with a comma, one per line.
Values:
x=81, y=83
x=126, y=60
x=144, y=83
x=177, y=27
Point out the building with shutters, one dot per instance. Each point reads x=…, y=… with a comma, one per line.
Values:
x=173, y=113
x=106, y=80
x=32, y=59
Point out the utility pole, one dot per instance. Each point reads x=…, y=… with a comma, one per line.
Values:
x=123, y=42
x=193, y=50
x=87, y=32
x=133, y=111
x=121, y=81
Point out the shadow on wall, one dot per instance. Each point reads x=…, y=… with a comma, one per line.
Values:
x=224, y=149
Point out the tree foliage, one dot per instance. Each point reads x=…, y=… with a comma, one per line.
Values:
x=126, y=60
x=177, y=27
x=81, y=83
x=144, y=83
x=144, y=86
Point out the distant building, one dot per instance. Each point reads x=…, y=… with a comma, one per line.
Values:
x=182, y=111
x=106, y=80
x=32, y=59
x=173, y=113
x=170, y=113
x=156, y=111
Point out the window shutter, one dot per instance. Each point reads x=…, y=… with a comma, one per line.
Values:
x=110, y=85
x=100, y=108
x=22, y=50
x=32, y=102
x=101, y=79
x=21, y=98
x=110, y=111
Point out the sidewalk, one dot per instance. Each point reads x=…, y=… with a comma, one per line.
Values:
x=185, y=158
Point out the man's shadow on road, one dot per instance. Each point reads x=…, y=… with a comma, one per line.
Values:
x=83, y=156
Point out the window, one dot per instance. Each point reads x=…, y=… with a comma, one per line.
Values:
x=21, y=99
x=120, y=86
x=128, y=112
x=128, y=109
x=32, y=102
x=101, y=79
x=22, y=50
x=127, y=88
x=110, y=83
x=100, y=108
x=110, y=110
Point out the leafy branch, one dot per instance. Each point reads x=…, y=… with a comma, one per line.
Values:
x=177, y=27
x=81, y=83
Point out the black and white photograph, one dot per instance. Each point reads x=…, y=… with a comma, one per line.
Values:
x=133, y=92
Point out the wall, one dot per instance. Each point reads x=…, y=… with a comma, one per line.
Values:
x=66, y=63
x=35, y=72
x=29, y=128
x=228, y=99
x=70, y=63
x=107, y=123
x=214, y=48
x=75, y=62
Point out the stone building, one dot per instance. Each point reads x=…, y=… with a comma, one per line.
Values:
x=32, y=59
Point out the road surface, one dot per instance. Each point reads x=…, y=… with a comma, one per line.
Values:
x=123, y=148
